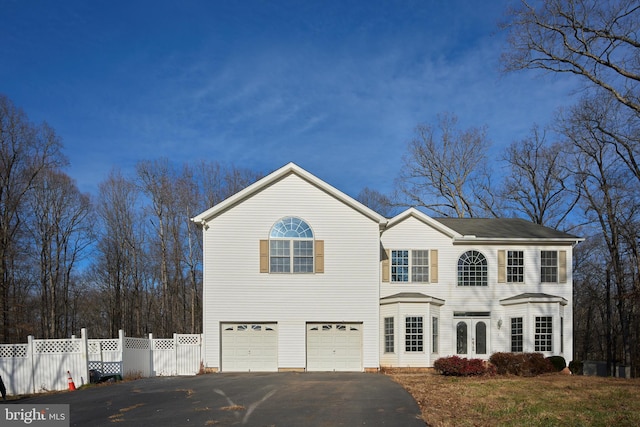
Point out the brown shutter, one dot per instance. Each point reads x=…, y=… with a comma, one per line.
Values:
x=562, y=266
x=319, y=248
x=434, y=266
x=502, y=266
x=385, y=265
x=264, y=256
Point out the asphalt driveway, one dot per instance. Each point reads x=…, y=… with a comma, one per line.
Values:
x=278, y=399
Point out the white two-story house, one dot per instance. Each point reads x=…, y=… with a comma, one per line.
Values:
x=300, y=276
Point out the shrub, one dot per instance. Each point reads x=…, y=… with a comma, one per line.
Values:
x=521, y=364
x=558, y=362
x=457, y=366
x=575, y=366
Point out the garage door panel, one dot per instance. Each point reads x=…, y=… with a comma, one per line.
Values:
x=249, y=347
x=334, y=347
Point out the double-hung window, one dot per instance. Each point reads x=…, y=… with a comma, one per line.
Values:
x=548, y=266
x=389, y=338
x=515, y=266
x=410, y=265
x=516, y=335
x=434, y=335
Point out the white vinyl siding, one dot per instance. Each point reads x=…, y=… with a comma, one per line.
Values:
x=237, y=291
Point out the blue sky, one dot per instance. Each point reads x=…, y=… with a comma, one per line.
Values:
x=335, y=86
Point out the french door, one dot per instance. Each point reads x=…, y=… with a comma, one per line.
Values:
x=472, y=337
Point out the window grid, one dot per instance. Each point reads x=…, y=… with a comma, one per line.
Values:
x=420, y=266
x=472, y=269
x=400, y=266
x=389, y=342
x=280, y=256
x=517, y=335
x=434, y=335
x=548, y=266
x=544, y=334
x=413, y=334
x=302, y=256
x=515, y=266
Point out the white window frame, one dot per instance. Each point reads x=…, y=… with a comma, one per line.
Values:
x=414, y=334
x=517, y=331
x=411, y=265
x=515, y=266
x=435, y=335
x=543, y=338
x=548, y=270
x=389, y=335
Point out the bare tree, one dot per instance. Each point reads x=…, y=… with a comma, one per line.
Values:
x=594, y=39
x=538, y=183
x=121, y=265
x=442, y=167
x=610, y=203
x=377, y=201
x=26, y=151
x=60, y=228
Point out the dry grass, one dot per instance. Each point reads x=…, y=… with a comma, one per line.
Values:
x=547, y=400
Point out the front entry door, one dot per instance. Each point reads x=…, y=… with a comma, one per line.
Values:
x=472, y=337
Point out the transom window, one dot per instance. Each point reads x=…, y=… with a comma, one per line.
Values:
x=410, y=265
x=413, y=337
x=291, y=246
x=544, y=334
x=472, y=269
x=548, y=266
x=515, y=266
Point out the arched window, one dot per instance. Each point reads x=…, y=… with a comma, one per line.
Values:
x=472, y=269
x=291, y=246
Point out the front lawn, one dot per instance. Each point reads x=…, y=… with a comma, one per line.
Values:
x=546, y=400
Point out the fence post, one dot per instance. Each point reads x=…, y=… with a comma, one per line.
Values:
x=175, y=354
x=30, y=351
x=84, y=354
x=122, y=352
x=152, y=370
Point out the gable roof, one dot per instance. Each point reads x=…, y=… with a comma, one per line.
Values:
x=420, y=216
x=491, y=229
x=277, y=175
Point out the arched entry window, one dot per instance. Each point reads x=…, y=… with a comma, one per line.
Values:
x=472, y=269
x=291, y=246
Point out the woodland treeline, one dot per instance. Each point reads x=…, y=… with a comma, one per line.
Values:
x=129, y=258
x=125, y=258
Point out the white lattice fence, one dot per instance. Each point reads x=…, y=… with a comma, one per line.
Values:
x=15, y=368
x=52, y=359
x=105, y=356
x=188, y=354
x=164, y=357
x=42, y=365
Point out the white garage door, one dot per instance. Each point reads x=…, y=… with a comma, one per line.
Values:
x=334, y=347
x=249, y=347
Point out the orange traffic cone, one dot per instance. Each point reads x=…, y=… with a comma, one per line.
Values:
x=72, y=386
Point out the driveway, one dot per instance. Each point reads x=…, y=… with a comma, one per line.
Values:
x=256, y=399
